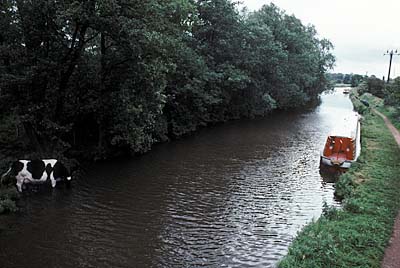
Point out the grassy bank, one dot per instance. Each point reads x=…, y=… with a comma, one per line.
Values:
x=357, y=235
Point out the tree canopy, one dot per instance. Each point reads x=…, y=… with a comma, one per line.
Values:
x=98, y=78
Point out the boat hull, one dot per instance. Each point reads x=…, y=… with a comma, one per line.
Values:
x=332, y=163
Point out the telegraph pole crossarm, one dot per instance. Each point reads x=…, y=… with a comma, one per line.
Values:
x=390, y=53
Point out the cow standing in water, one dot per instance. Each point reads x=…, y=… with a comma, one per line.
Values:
x=38, y=171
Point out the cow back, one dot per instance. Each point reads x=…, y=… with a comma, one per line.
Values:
x=36, y=168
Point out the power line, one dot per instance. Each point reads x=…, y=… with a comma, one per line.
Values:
x=391, y=53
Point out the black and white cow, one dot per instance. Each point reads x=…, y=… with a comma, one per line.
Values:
x=38, y=171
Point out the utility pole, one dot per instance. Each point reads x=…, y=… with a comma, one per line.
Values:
x=391, y=53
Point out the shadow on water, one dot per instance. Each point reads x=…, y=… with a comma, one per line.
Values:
x=329, y=174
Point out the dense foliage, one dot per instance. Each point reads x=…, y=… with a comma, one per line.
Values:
x=388, y=101
x=97, y=78
x=392, y=93
x=388, y=92
x=353, y=79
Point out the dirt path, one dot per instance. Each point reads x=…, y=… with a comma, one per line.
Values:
x=392, y=252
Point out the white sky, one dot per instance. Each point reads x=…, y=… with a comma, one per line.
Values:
x=360, y=30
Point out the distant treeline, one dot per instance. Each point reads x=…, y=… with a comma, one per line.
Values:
x=98, y=78
x=351, y=79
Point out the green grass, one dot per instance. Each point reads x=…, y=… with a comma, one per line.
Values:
x=356, y=236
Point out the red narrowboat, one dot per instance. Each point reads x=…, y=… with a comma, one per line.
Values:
x=343, y=145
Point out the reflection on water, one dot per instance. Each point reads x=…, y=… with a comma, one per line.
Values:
x=230, y=196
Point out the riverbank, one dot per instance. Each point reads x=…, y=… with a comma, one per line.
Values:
x=342, y=85
x=357, y=235
x=8, y=196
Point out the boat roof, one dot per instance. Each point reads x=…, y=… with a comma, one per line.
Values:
x=346, y=127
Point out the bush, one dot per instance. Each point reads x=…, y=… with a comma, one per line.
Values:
x=376, y=86
x=344, y=187
x=7, y=206
x=392, y=93
x=8, y=196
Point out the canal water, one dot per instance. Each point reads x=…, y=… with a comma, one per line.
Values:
x=234, y=195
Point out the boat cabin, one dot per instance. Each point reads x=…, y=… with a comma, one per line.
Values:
x=339, y=149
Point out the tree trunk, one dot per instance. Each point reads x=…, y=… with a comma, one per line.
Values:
x=71, y=60
x=102, y=144
x=32, y=137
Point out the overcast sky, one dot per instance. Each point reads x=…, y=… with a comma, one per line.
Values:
x=360, y=30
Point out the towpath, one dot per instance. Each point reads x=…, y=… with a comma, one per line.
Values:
x=392, y=252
